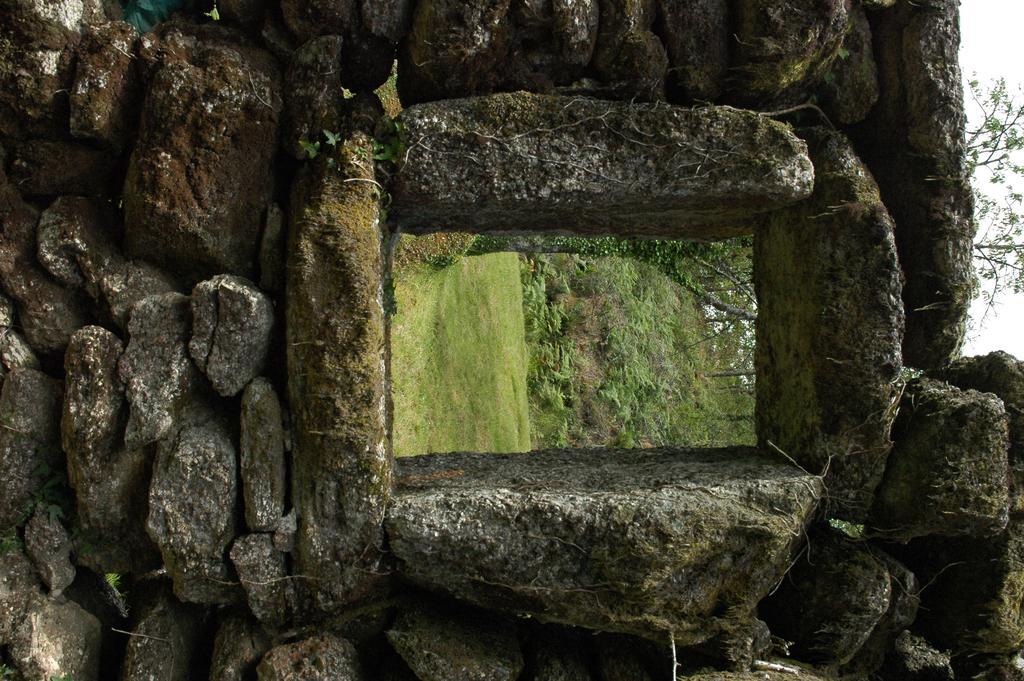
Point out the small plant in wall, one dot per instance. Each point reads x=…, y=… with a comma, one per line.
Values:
x=312, y=148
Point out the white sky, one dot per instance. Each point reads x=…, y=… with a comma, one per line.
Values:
x=989, y=29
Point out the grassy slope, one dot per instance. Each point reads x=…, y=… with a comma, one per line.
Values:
x=458, y=351
x=618, y=354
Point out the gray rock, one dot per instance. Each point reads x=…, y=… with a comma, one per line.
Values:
x=1002, y=375
x=49, y=547
x=388, y=19
x=553, y=42
x=200, y=176
x=231, y=325
x=164, y=641
x=75, y=240
x=829, y=326
x=262, y=456
x=832, y=600
x=19, y=589
x=30, y=453
x=341, y=468
x=284, y=533
x=948, y=471
x=850, y=89
x=759, y=675
x=192, y=506
x=156, y=369
x=57, y=639
x=454, y=49
x=110, y=480
x=912, y=658
x=15, y=351
x=312, y=101
x=106, y=93
x=784, y=51
x=264, y=576
x=1006, y=667
x=903, y=609
x=697, y=37
x=658, y=539
x=913, y=141
x=47, y=312
x=740, y=645
x=551, y=164
x=272, y=251
x=628, y=53
x=324, y=656
x=128, y=282
x=239, y=646
x=456, y=645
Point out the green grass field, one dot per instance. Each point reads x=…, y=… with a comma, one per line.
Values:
x=459, y=357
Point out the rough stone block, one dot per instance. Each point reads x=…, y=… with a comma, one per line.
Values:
x=239, y=646
x=57, y=639
x=697, y=37
x=47, y=168
x=850, y=93
x=522, y=162
x=19, y=589
x=558, y=656
x=783, y=50
x=321, y=657
x=75, y=240
x=341, y=464
x=836, y=596
x=127, y=283
x=262, y=456
x=307, y=19
x=313, y=102
x=47, y=312
x=829, y=326
x=264, y=576
x=106, y=93
x=388, y=19
x=628, y=54
x=165, y=640
x=644, y=541
x=192, y=506
x=49, y=547
x=110, y=480
x=454, y=49
x=442, y=644
x=231, y=325
x=1002, y=375
x=29, y=441
x=158, y=374
x=974, y=602
x=912, y=658
x=948, y=471
x=200, y=176
x=913, y=141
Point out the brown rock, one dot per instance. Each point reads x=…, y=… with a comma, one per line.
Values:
x=30, y=454
x=200, y=177
x=324, y=656
x=313, y=100
x=46, y=168
x=106, y=93
x=456, y=48
x=48, y=313
x=310, y=18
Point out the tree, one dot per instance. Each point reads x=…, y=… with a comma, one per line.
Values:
x=996, y=164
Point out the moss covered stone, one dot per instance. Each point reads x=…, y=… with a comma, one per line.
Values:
x=913, y=141
x=948, y=471
x=336, y=374
x=645, y=541
x=522, y=162
x=829, y=327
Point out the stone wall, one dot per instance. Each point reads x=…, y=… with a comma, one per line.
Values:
x=196, y=478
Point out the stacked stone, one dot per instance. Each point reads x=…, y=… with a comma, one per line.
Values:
x=195, y=365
